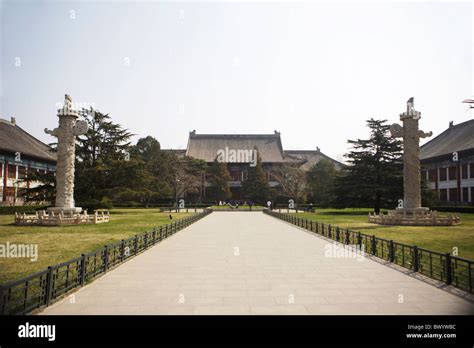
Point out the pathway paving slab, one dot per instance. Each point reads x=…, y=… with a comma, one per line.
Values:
x=252, y=263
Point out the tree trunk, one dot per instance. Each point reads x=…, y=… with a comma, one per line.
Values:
x=377, y=203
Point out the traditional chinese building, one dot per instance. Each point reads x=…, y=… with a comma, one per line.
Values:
x=448, y=164
x=237, y=151
x=20, y=153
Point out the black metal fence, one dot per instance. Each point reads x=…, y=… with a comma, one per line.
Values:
x=41, y=289
x=450, y=269
x=189, y=208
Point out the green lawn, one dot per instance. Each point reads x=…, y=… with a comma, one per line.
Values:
x=437, y=238
x=61, y=243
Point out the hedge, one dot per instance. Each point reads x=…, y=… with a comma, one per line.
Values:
x=9, y=210
x=454, y=209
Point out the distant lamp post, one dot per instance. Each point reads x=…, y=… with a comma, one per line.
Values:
x=177, y=192
x=470, y=102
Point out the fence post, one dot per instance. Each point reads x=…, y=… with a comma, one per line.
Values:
x=49, y=286
x=449, y=275
x=470, y=277
x=82, y=277
x=391, y=250
x=2, y=301
x=106, y=258
x=337, y=234
x=136, y=244
x=359, y=239
x=373, y=245
x=122, y=250
x=347, y=236
x=161, y=233
x=154, y=235
x=146, y=239
x=329, y=231
x=415, y=259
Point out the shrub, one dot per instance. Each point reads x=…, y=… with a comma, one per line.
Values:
x=8, y=210
x=94, y=204
x=454, y=209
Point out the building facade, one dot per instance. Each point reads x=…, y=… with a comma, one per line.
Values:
x=448, y=164
x=237, y=151
x=20, y=153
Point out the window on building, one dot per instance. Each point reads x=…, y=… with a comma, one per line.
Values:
x=453, y=171
x=471, y=170
x=11, y=171
x=465, y=194
x=432, y=175
x=21, y=172
x=442, y=174
x=464, y=171
x=443, y=195
x=453, y=194
x=235, y=175
x=9, y=193
x=423, y=175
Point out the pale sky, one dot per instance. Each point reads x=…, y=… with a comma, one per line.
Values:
x=313, y=71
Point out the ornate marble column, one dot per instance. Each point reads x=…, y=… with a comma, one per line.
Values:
x=66, y=133
x=411, y=213
x=411, y=156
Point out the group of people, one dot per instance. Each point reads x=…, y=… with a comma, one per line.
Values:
x=236, y=203
x=270, y=205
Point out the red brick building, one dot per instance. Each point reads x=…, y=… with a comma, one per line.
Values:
x=20, y=153
x=207, y=147
x=448, y=164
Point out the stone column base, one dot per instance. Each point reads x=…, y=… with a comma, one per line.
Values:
x=62, y=216
x=64, y=210
x=420, y=216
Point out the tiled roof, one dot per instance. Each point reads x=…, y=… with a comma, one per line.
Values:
x=14, y=139
x=206, y=146
x=311, y=157
x=456, y=138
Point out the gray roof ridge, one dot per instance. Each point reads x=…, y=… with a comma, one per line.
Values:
x=292, y=152
x=453, y=127
x=34, y=138
x=219, y=135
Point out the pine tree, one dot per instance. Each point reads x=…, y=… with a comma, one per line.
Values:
x=45, y=188
x=255, y=188
x=105, y=140
x=320, y=178
x=157, y=164
x=101, y=149
x=374, y=176
x=219, y=177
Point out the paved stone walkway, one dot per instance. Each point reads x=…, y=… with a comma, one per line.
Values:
x=251, y=263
